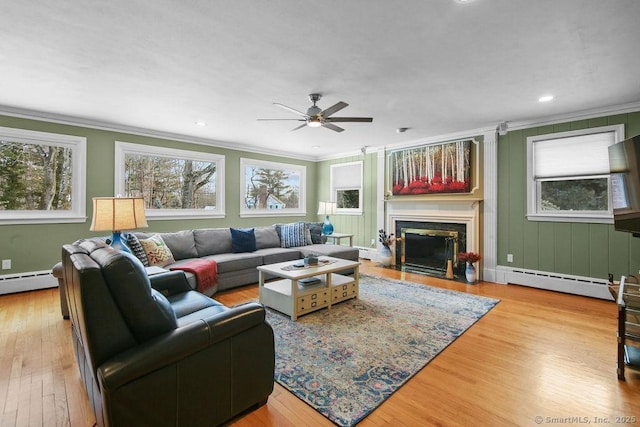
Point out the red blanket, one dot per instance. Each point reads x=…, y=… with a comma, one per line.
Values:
x=205, y=270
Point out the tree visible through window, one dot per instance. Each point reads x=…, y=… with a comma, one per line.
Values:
x=271, y=188
x=34, y=177
x=172, y=182
x=169, y=183
x=41, y=176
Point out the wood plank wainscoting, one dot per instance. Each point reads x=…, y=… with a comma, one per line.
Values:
x=536, y=354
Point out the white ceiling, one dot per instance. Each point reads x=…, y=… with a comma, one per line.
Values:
x=435, y=66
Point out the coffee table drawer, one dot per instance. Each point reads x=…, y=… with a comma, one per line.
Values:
x=312, y=301
x=346, y=291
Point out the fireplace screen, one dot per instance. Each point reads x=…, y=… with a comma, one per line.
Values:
x=428, y=249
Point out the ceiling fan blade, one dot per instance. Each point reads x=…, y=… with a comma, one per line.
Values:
x=299, y=127
x=333, y=109
x=291, y=109
x=350, y=119
x=332, y=127
x=297, y=120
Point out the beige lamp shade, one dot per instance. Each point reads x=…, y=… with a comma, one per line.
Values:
x=326, y=208
x=118, y=213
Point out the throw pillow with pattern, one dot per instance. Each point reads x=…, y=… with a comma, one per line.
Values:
x=136, y=248
x=157, y=251
x=292, y=235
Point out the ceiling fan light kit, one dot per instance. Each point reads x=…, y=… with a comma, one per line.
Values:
x=315, y=117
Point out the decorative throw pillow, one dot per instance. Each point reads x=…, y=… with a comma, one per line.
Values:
x=292, y=235
x=316, y=232
x=243, y=240
x=157, y=251
x=137, y=249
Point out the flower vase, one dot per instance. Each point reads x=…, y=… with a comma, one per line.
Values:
x=471, y=273
x=386, y=256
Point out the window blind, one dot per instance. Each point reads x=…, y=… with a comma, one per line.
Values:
x=347, y=176
x=572, y=156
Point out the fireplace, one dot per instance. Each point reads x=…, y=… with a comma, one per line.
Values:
x=426, y=247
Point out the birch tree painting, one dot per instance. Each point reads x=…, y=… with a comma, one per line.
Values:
x=431, y=169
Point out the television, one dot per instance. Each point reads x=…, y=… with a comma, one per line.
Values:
x=624, y=165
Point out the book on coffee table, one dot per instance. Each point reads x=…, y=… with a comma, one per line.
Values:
x=309, y=281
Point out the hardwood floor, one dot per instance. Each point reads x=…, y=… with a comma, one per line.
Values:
x=536, y=354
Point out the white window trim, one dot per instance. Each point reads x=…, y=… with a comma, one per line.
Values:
x=78, y=145
x=249, y=213
x=532, y=187
x=334, y=189
x=124, y=148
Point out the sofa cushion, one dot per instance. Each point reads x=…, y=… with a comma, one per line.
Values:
x=157, y=251
x=181, y=243
x=235, y=262
x=267, y=237
x=336, y=251
x=186, y=303
x=242, y=240
x=146, y=311
x=293, y=235
x=275, y=255
x=212, y=241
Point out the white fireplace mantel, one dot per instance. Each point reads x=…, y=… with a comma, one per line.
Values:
x=466, y=212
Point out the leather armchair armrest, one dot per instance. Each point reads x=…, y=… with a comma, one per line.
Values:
x=178, y=344
x=235, y=320
x=170, y=283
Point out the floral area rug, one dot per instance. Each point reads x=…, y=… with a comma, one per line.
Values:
x=346, y=361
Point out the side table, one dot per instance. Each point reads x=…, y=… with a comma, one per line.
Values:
x=337, y=237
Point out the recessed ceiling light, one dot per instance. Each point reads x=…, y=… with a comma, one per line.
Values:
x=315, y=147
x=201, y=124
x=546, y=98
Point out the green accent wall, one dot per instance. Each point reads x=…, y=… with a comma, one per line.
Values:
x=36, y=247
x=581, y=249
x=363, y=227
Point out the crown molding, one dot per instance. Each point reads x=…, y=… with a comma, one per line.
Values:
x=96, y=124
x=578, y=115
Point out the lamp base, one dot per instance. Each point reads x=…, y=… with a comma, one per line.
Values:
x=327, y=227
x=117, y=243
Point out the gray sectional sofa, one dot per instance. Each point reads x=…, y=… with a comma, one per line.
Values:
x=234, y=268
x=239, y=268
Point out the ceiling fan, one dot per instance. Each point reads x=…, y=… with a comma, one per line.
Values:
x=314, y=117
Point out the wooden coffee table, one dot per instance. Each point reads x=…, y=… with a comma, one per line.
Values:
x=289, y=296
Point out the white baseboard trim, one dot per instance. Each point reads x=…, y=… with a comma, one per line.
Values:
x=577, y=285
x=27, y=281
x=366, y=253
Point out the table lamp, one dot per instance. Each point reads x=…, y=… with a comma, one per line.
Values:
x=327, y=208
x=117, y=214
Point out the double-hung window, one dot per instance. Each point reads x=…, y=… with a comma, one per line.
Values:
x=346, y=187
x=568, y=175
x=42, y=177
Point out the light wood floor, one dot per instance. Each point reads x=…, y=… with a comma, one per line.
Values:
x=536, y=354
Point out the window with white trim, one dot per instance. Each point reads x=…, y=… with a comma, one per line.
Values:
x=272, y=189
x=346, y=187
x=175, y=184
x=568, y=175
x=42, y=177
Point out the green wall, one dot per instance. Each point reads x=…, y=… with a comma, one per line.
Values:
x=35, y=247
x=363, y=227
x=582, y=249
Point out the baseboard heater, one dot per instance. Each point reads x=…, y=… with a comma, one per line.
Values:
x=366, y=253
x=577, y=285
x=27, y=281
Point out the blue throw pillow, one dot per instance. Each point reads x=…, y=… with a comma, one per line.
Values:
x=243, y=240
x=293, y=235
